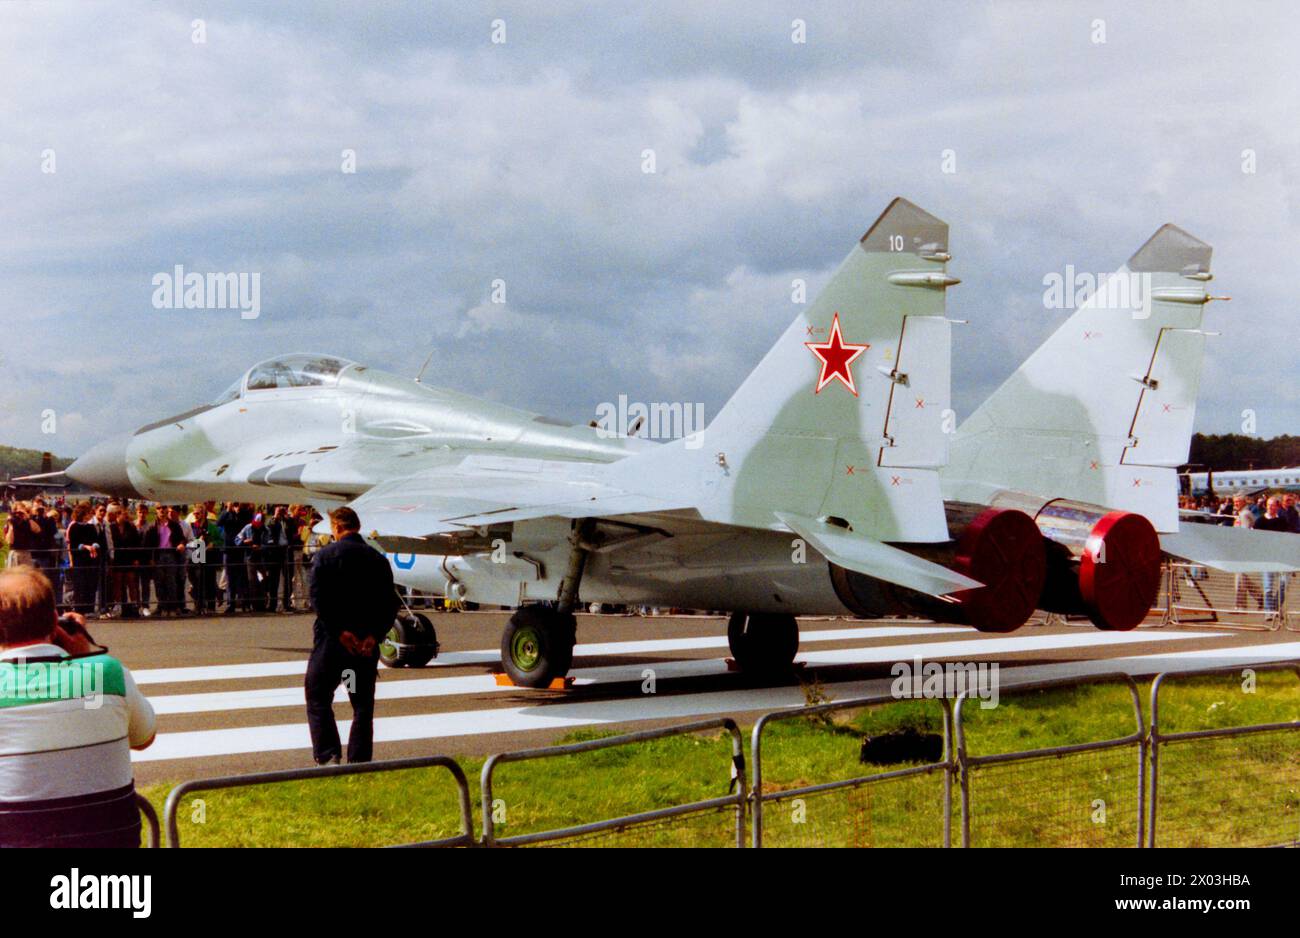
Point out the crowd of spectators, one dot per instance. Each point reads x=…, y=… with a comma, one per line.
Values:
x=1261, y=513
x=109, y=558
x=1264, y=512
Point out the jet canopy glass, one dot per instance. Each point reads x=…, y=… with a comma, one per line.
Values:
x=296, y=371
x=229, y=394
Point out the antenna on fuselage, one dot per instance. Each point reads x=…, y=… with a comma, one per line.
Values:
x=424, y=366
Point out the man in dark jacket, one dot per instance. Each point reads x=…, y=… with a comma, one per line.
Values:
x=355, y=602
x=232, y=521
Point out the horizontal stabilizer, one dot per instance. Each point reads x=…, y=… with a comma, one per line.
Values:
x=876, y=559
x=1234, y=550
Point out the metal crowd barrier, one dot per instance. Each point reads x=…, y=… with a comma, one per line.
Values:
x=1062, y=788
x=186, y=584
x=1269, y=795
x=150, y=820
x=1052, y=793
x=464, y=839
x=852, y=788
x=656, y=819
x=1201, y=595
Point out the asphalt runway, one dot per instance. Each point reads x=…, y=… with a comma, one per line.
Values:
x=228, y=691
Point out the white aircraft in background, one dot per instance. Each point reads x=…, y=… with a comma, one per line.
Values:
x=1243, y=481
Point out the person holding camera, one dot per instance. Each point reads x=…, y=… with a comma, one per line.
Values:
x=66, y=739
x=22, y=532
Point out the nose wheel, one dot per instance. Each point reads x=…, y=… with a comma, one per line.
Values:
x=537, y=645
x=411, y=643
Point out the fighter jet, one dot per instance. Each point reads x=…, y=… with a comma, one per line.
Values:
x=815, y=490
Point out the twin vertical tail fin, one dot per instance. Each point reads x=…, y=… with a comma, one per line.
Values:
x=1102, y=411
x=844, y=418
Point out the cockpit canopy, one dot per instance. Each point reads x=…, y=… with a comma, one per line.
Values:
x=301, y=370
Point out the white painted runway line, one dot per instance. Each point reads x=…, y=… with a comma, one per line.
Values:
x=224, y=742
x=1237, y=657
x=221, y=701
x=220, y=672
x=986, y=647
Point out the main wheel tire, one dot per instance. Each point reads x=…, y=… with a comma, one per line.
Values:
x=763, y=643
x=411, y=643
x=537, y=645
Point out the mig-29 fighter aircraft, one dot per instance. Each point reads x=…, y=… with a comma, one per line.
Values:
x=824, y=485
x=815, y=490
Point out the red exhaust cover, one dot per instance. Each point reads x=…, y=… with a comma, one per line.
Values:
x=1003, y=549
x=1119, y=572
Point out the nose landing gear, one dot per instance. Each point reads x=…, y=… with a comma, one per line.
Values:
x=411, y=643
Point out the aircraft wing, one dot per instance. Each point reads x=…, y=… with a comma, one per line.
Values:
x=428, y=507
x=480, y=491
x=877, y=559
x=1234, y=550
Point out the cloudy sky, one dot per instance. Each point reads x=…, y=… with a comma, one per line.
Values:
x=523, y=161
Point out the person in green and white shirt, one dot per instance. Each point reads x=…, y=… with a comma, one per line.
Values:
x=69, y=718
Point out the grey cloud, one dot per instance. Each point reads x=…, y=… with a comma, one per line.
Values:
x=523, y=162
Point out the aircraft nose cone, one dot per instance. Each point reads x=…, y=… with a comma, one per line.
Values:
x=103, y=468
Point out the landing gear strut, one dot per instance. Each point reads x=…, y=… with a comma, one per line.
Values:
x=537, y=646
x=763, y=644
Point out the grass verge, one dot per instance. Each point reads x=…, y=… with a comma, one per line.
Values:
x=1240, y=790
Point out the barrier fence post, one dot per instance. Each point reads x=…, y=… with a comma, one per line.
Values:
x=151, y=821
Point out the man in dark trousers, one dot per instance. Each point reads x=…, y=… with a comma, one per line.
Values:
x=355, y=602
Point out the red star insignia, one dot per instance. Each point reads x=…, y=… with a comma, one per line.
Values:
x=836, y=355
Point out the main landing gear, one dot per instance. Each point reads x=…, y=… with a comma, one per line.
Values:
x=763, y=644
x=537, y=645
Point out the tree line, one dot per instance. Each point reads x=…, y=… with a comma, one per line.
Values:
x=1228, y=451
